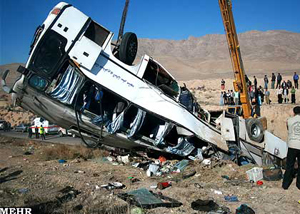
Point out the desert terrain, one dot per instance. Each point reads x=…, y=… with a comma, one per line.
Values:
x=31, y=175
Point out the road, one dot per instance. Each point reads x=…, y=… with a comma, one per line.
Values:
x=68, y=140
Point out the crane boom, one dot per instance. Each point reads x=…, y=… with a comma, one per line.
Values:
x=123, y=19
x=239, y=83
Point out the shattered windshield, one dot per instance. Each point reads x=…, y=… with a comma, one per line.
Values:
x=49, y=52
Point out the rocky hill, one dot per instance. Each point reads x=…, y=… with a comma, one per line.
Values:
x=208, y=56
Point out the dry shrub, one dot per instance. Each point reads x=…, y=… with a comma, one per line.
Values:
x=69, y=152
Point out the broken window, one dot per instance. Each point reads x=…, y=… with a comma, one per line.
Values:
x=156, y=75
x=96, y=33
x=65, y=86
x=104, y=108
x=48, y=53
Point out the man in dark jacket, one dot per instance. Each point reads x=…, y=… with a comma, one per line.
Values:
x=273, y=79
x=279, y=78
x=266, y=81
x=255, y=82
x=36, y=130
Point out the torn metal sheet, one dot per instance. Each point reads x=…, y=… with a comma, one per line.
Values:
x=146, y=199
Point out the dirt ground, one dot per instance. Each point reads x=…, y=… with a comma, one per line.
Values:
x=31, y=176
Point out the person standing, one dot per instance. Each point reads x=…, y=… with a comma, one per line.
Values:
x=296, y=79
x=293, y=95
x=286, y=95
x=279, y=78
x=221, y=99
x=283, y=85
x=42, y=132
x=236, y=98
x=293, y=125
x=273, y=79
x=36, y=130
x=222, y=84
x=279, y=94
x=255, y=82
x=266, y=81
x=225, y=98
x=267, y=96
x=289, y=84
x=29, y=132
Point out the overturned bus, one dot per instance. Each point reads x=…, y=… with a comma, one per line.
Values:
x=77, y=78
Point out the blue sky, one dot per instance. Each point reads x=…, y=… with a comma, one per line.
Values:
x=157, y=19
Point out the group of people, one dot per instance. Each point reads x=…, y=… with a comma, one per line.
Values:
x=285, y=90
x=230, y=98
x=38, y=132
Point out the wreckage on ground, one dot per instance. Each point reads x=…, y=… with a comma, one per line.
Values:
x=75, y=77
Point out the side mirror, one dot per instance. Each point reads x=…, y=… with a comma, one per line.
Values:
x=3, y=83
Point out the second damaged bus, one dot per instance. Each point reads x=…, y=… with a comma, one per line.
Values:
x=76, y=79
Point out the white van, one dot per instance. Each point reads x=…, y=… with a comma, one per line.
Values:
x=49, y=128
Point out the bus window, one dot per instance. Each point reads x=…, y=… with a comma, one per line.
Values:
x=96, y=33
x=49, y=52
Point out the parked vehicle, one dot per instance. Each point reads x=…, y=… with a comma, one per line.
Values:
x=22, y=127
x=2, y=124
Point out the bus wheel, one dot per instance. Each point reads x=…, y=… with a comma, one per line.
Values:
x=255, y=129
x=128, y=48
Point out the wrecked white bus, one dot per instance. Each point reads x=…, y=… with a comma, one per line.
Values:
x=77, y=78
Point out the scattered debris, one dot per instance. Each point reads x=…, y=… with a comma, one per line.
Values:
x=272, y=174
x=123, y=159
x=23, y=190
x=133, y=180
x=259, y=183
x=113, y=185
x=180, y=166
x=231, y=198
x=244, y=209
x=146, y=199
x=255, y=174
x=153, y=170
x=79, y=171
x=162, y=159
x=216, y=191
x=164, y=185
x=62, y=161
x=206, y=162
x=225, y=177
x=27, y=153
x=209, y=206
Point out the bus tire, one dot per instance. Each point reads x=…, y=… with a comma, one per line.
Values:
x=255, y=129
x=128, y=48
